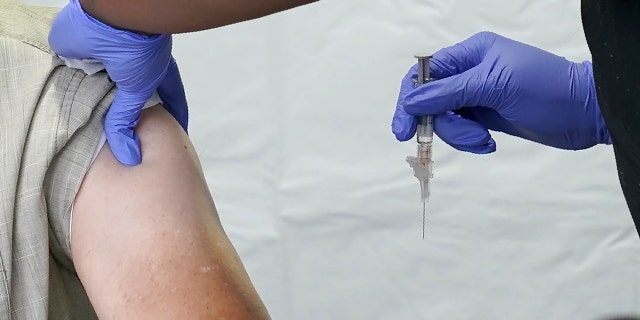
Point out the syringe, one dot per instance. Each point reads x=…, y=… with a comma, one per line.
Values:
x=422, y=164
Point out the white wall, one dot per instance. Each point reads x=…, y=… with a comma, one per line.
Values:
x=291, y=117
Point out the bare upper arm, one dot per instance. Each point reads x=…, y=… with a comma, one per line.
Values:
x=146, y=240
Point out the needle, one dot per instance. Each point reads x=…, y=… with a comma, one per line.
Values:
x=424, y=216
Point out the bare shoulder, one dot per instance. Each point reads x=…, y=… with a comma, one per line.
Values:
x=146, y=240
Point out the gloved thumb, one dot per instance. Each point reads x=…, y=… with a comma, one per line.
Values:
x=448, y=94
x=463, y=134
x=171, y=91
x=119, y=124
x=404, y=125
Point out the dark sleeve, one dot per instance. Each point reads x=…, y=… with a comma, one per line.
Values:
x=612, y=30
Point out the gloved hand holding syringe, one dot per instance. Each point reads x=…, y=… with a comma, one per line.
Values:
x=422, y=163
x=491, y=83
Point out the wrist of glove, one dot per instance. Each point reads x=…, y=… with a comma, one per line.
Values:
x=491, y=83
x=603, y=136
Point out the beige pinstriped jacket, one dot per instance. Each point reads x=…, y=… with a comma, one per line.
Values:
x=50, y=122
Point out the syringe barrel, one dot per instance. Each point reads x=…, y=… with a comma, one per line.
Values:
x=424, y=130
x=424, y=151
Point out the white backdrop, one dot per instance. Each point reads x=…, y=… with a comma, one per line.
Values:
x=291, y=117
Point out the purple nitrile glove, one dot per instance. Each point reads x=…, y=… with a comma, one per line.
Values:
x=489, y=82
x=138, y=64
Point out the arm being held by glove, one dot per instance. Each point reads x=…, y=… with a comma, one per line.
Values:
x=138, y=64
x=178, y=16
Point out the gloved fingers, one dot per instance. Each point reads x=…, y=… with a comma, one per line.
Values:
x=463, y=134
x=171, y=91
x=462, y=56
x=488, y=117
x=448, y=94
x=119, y=124
x=141, y=72
x=403, y=125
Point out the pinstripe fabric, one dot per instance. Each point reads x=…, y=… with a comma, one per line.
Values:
x=50, y=122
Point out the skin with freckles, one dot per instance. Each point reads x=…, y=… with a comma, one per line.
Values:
x=147, y=242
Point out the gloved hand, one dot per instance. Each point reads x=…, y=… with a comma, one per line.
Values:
x=138, y=64
x=489, y=82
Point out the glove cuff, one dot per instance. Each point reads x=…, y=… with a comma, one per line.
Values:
x=602, y=132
